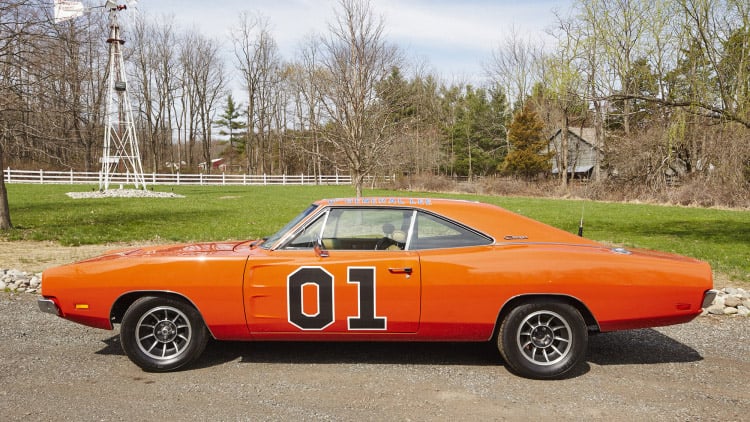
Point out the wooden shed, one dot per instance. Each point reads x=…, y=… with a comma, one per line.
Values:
x=583, y=155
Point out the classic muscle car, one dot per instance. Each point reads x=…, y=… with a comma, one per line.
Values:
x=396, y=269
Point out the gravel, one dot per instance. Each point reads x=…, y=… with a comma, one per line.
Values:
x=123, y=193
x=52, y=369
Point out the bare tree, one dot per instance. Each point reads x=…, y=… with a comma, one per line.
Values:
x=20, y=23
x=513, y=65
x=204, y=85
x=155, y=65
x=356, y=59
x=259, y=63
x=304, y=77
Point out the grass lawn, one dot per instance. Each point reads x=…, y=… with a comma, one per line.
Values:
x=44, y=212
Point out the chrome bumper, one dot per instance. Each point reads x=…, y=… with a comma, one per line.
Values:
x=708, y=298
x=48, y=306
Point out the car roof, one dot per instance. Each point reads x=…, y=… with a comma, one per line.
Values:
x=490, y=219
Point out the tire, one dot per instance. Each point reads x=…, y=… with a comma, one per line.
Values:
x=162, y=334
x=543, y=340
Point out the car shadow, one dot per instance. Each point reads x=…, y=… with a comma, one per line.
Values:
x=634, y=347
x=477, y=354
x=637, y=347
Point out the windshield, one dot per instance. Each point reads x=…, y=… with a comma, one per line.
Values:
x=270, y=240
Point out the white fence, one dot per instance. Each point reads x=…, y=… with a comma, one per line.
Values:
x=79, y=177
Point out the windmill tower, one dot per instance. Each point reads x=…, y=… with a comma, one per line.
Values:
x=120, y=153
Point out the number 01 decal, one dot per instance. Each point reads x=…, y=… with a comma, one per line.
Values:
x=364, y=277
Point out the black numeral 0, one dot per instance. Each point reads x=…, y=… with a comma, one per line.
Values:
x=324, y=280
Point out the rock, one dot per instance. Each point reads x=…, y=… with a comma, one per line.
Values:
x=746, y=303
x=718, y=300
x=743, y=311
x=716, y=309
x=731, y=311
x=3, y=285
x=34, y=282
x=730, y=290
x=732, y=302
x=15, y=273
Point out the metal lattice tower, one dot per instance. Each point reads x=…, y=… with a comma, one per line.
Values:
x=121, y=154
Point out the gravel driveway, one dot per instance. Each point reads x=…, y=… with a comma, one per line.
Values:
x=52, y=369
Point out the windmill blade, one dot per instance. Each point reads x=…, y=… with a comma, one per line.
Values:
x=65, y=10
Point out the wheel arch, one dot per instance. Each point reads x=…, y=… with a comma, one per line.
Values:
x=121, y=305
x=588, y=317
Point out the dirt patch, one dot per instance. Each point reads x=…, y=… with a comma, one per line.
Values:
x=32, y=256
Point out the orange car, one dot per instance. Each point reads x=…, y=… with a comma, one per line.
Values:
x=396, y=269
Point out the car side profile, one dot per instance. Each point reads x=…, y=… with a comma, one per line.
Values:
x=390, y=269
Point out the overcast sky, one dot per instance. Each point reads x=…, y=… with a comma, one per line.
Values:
x=455, y=38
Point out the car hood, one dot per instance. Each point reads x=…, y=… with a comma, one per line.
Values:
x=181, y=250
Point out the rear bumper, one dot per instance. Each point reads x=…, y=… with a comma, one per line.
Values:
x=48, y=306
x=708, y=298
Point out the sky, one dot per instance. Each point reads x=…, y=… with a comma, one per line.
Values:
x=455, y=39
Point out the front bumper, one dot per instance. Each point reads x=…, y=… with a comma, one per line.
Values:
x=48, y=306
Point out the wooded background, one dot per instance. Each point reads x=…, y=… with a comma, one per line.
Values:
x=665, y=85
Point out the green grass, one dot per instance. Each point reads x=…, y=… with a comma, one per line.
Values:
x=44, y=212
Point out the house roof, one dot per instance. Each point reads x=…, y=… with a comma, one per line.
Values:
x=585, y=134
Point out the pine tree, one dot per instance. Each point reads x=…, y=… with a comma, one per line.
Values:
x=230, y=119
x=526, y=157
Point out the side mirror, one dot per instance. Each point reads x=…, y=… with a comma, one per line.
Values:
x=319, y=249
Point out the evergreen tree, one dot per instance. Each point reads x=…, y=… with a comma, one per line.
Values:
x=526, y=157
x=235, y=126
x=477, y=135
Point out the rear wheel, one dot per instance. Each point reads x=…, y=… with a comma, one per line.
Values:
x=543, y=340
x=162, y=334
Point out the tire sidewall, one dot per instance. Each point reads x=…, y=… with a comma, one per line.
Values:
x=129, y=341
x=514, y=357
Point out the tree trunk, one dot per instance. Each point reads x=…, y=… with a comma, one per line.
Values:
x=563, y=164
x=4, y=208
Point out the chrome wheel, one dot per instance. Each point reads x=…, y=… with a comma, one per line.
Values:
x=544, y=337
x=163, y=333
x=543, y=340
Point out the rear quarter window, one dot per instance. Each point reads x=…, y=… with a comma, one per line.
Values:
x=433, y=232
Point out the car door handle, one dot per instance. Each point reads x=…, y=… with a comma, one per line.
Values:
x=406, y=270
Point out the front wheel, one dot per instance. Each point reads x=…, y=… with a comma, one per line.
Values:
x=162, y=334
x=543, y=340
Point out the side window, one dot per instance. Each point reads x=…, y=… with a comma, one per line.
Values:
x=309, y=235
x=432, y=232
x=357, y=229
x=367, y=229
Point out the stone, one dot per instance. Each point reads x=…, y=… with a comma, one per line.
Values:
x=731, y=311
x=716, y=309
x=3, y=285
x=746, y=303
x=34, y=282
x=718, y=300
x=743, y=311
x=16, y=273
x=730, y=290
x=732, y=302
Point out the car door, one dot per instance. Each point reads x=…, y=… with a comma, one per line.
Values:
x=339, y=275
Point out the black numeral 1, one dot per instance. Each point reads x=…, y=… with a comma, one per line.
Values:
x=366, y=319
